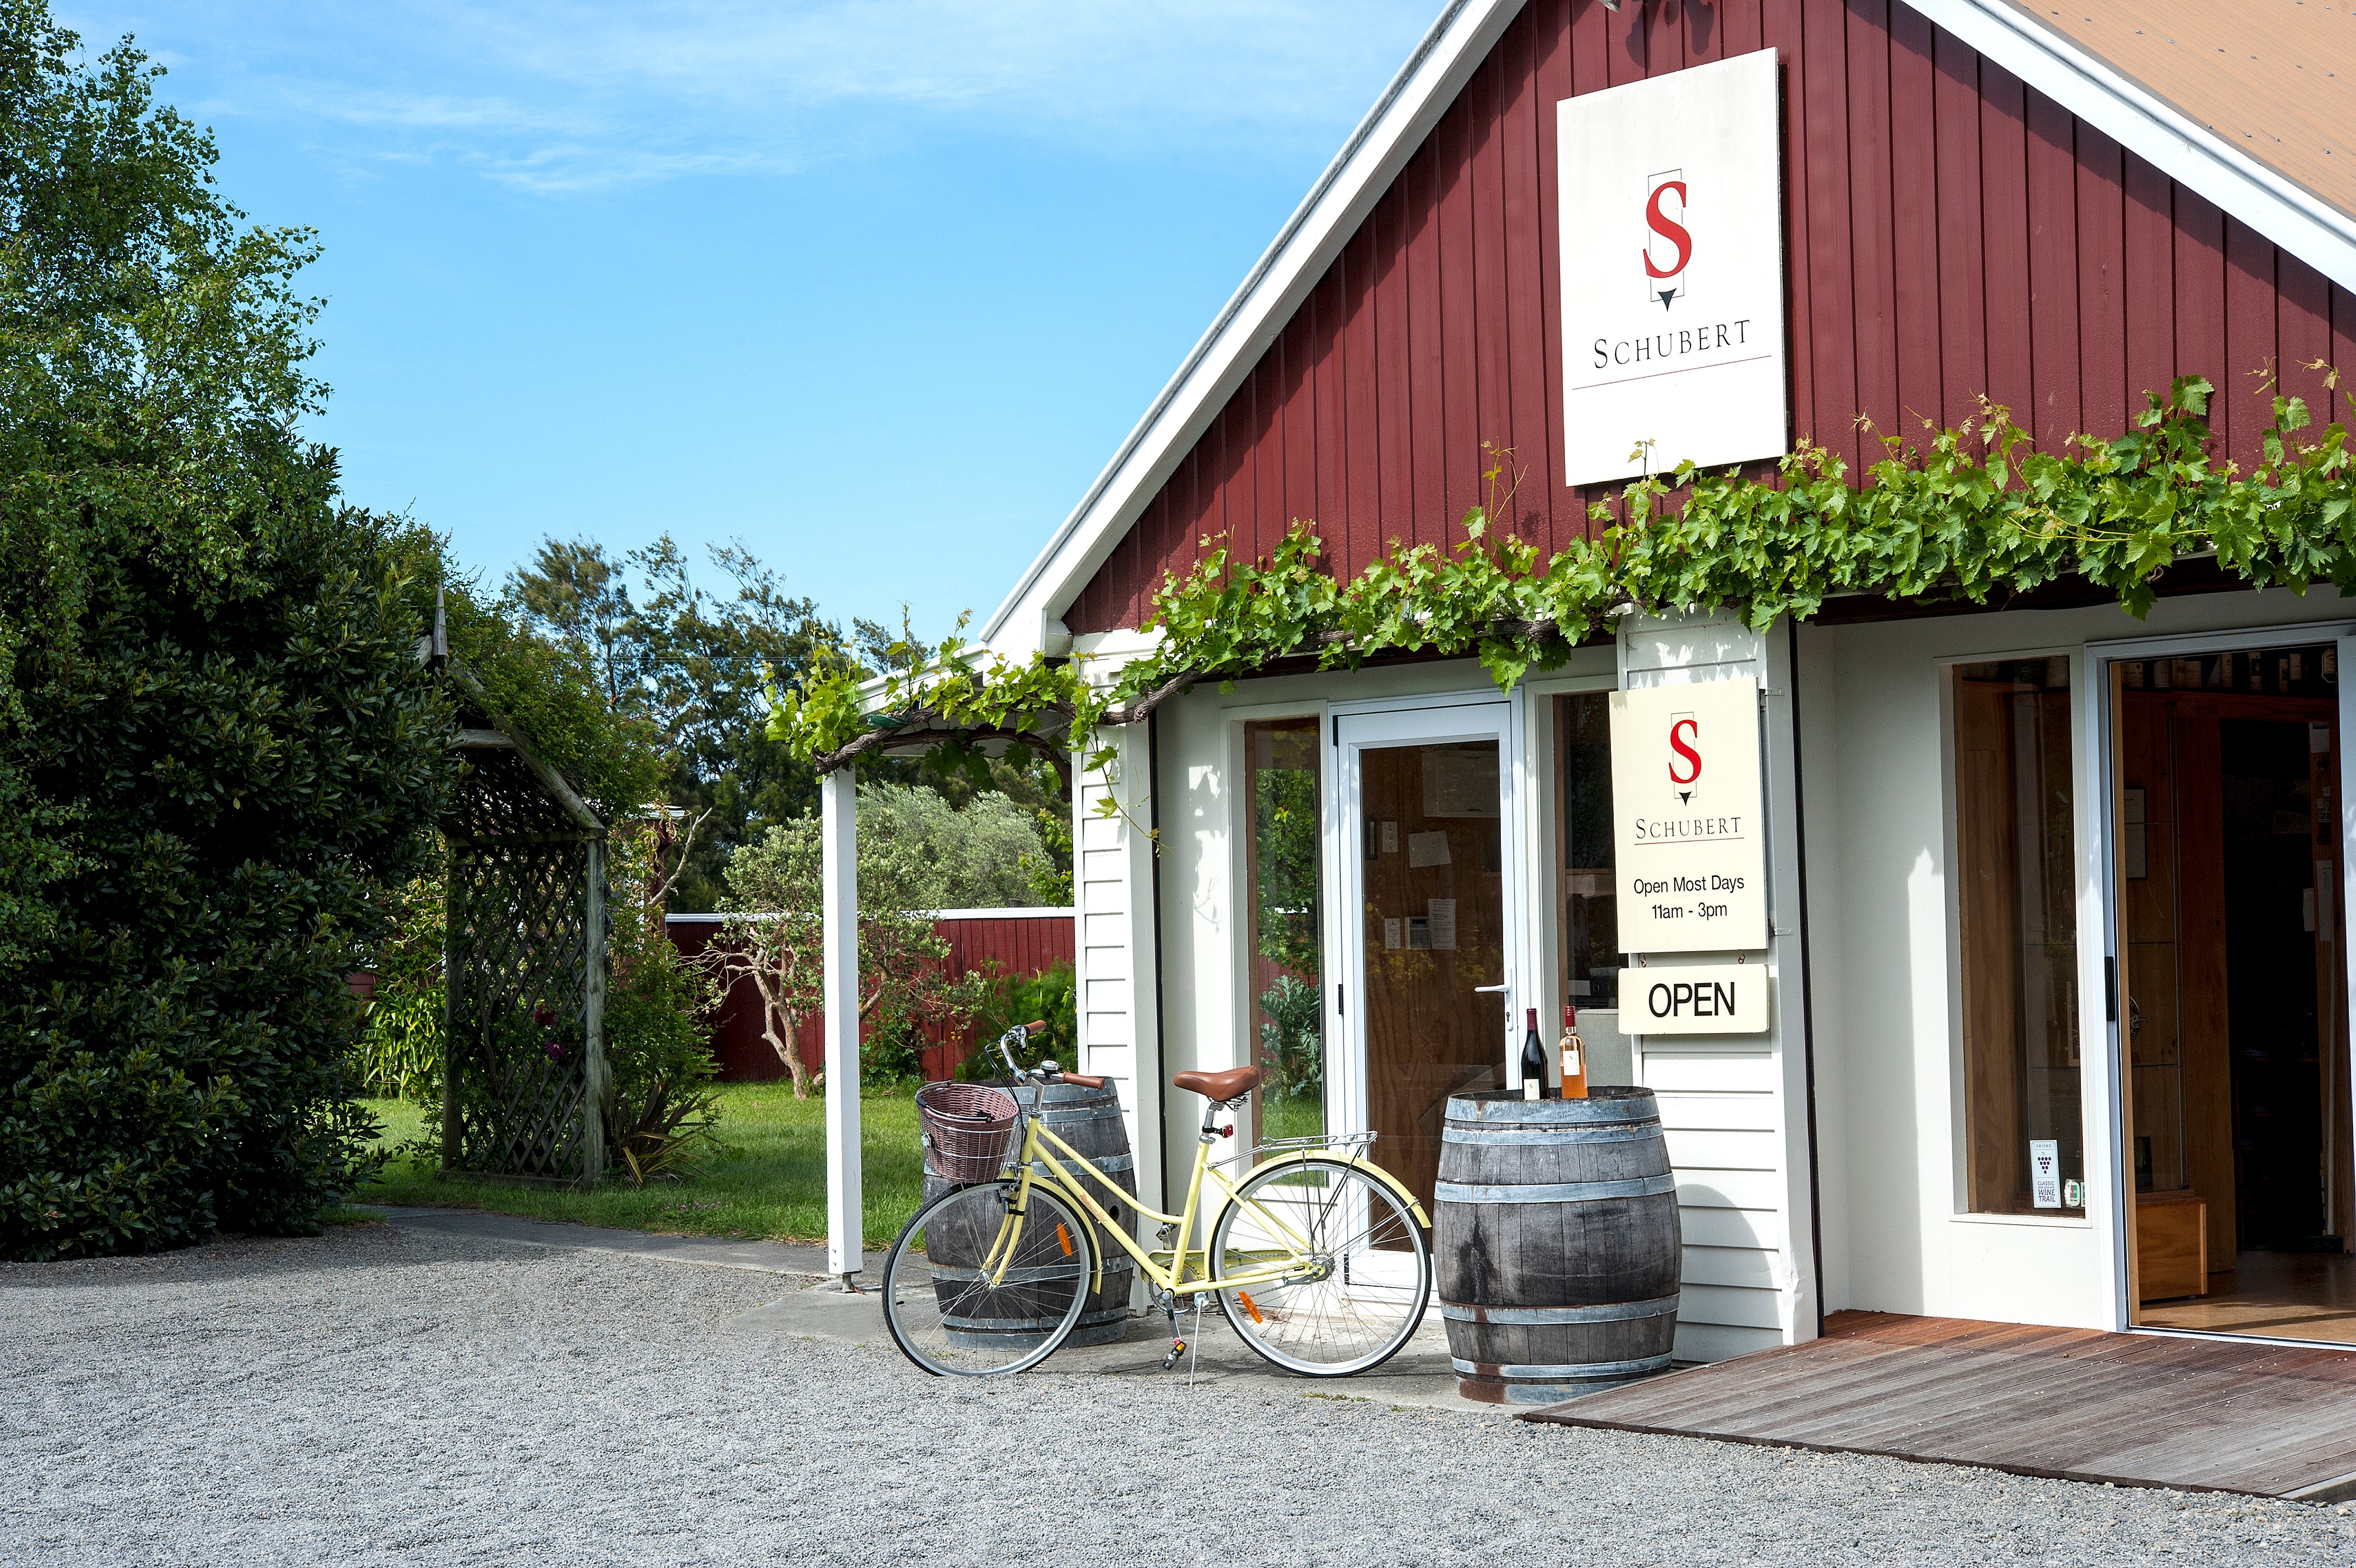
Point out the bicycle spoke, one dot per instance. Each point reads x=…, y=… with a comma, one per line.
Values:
x=970, y=1289
x=1363, y=1275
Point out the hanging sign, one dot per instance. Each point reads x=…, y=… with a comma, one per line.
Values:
x=1672, y=244
x=1694, y=999
x=1692, y=872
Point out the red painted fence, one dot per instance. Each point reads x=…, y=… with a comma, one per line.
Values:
x=1020, y=942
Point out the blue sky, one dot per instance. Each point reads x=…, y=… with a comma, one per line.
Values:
x=875, y=287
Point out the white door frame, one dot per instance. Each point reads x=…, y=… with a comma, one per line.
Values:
x=2094, y=956
x=1353, y=728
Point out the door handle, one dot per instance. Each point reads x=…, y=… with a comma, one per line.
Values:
x=1507, y=986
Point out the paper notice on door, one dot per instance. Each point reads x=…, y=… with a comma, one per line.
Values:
x=1427, y=849
x=1392, y=935
x=2045, y=1173
x=1419, y=934
x=1390, y=838
x=1440, y=914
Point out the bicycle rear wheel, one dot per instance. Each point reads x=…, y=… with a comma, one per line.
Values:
x=955, y=1313
x=1367, y=1280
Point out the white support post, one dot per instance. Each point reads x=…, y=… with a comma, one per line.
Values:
x=839, y=848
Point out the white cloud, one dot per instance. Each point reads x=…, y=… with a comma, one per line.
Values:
x=567, y=94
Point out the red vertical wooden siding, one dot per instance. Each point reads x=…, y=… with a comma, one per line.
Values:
x=1017, y=944
x=1950, y=234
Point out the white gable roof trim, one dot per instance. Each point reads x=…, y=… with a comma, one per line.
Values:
x=2172, y=142
x=1258, y=310
x=1422, y=91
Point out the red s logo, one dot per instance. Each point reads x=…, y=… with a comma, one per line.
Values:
x=1681, y=745
x=1668, y=229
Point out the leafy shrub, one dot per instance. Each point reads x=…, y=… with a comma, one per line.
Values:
x=1051, y=994
x=217, y=750
x=1292, y=1040
x=248, y=767
x=658, y=1048
x=399, y=1055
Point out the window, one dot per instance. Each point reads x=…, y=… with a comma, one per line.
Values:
x=1286, y=968
x=2018, y=912
x=1592, y=959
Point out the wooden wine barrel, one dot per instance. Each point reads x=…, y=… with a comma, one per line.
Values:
x=1555, y=1244
x=1089, y=1121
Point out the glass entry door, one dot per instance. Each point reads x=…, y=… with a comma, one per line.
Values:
x=2229, y=955
x=1426, y=928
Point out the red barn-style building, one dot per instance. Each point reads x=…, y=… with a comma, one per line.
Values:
x=2048, y=902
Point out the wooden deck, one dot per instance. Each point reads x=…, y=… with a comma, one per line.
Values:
x=2138, y=1409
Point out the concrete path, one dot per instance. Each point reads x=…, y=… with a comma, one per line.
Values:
x=803, y=1263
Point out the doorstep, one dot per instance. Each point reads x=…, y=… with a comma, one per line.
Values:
x=2138, y=1409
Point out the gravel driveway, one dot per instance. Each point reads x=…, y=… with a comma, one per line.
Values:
x=385, y=1395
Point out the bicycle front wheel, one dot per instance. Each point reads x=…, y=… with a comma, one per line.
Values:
x=1351, y=1268
x=955, y=1311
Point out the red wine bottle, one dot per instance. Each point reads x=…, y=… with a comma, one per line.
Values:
x=1534, y=1061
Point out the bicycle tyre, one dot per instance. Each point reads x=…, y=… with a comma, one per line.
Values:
x=1336, y=1325
x=952, y=1323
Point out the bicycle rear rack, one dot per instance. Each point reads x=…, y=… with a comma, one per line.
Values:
x=1355, y=1142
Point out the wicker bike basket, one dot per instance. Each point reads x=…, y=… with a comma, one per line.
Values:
x=967, y=1130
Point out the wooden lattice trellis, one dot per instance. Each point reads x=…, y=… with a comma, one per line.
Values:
x=524, y=1085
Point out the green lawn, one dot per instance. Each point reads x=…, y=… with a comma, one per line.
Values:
x=771, y=1182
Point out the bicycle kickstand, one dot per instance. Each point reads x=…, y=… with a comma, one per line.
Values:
x=1196, y=1349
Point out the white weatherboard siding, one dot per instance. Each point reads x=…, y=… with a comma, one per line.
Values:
x=1112, y=883
x=1112, y=890
x=1734, y=1107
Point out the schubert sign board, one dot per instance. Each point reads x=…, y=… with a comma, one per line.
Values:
x=1685, y=819
x=1695, y=999
x=1673, y=271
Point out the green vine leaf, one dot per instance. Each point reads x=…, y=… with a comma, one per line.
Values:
x=1971, y=514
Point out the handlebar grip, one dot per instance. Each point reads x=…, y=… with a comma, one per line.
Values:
x=1084, y=1079
x=1035, y=1028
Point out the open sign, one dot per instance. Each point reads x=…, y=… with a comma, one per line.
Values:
x=1695, y=999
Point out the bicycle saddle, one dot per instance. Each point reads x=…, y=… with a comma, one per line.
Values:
x=1232, y=1084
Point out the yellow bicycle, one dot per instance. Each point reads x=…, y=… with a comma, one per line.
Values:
x=1320, y=1259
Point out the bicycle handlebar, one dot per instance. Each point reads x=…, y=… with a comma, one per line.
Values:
x=1044, y=1072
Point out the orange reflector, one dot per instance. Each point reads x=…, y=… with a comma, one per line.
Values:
x=1245, y=1297
x=1065, y=1236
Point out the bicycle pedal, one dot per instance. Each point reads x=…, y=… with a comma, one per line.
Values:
x=1177, y=1349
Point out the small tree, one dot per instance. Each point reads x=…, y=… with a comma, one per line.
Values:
x=776, y=937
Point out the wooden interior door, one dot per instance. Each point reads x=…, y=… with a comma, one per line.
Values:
x=1427, y=922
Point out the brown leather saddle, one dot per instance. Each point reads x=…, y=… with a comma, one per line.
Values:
x=1223, y=1086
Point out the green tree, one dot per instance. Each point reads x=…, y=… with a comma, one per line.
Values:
x=979, y=858
x=697, y=665
x=776, y=939
x=218, y=751
x=577, y=593
x=692, y=664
